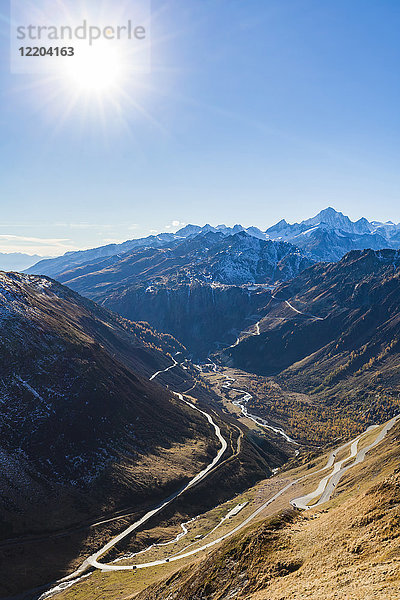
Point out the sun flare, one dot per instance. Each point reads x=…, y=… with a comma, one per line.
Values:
x=100, y=71
x=93, y=62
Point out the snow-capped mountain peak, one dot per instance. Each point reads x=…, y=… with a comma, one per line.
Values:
x=327, y=236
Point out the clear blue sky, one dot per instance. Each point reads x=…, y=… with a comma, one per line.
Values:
x=255, y=110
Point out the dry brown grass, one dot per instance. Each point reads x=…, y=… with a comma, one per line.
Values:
x=348, y=549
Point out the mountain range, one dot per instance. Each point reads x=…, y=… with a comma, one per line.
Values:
x=327, y=236
x=17, y=261
x=204, y=285
x=289, y=338
x=333, y=333
x=194, y=290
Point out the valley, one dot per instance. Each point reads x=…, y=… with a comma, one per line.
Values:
x=200, y=300
x=237, y=514
x=239, y=386
x=258, y=504
x=85, y=516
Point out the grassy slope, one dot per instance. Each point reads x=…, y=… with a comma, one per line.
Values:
x=347, y=550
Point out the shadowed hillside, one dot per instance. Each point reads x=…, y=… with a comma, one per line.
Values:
x=333, y=334
x=83, y=432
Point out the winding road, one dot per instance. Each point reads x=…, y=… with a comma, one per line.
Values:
x=249, y=334
x=299, y=312
x=93, y=560
x=175, y=364
x=329, y=483
x=331, y=461
x=184, y=532
x=232, y=513
x=257, y=325
x=324, y=491
x=325, y=488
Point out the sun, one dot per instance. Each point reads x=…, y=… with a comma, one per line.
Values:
x=99, y=71
x=98, y=75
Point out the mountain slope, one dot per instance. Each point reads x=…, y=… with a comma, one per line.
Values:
x=83, y=433
x=333, y=333
x=349, y=549
x=193, y=290
x=77, y=375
